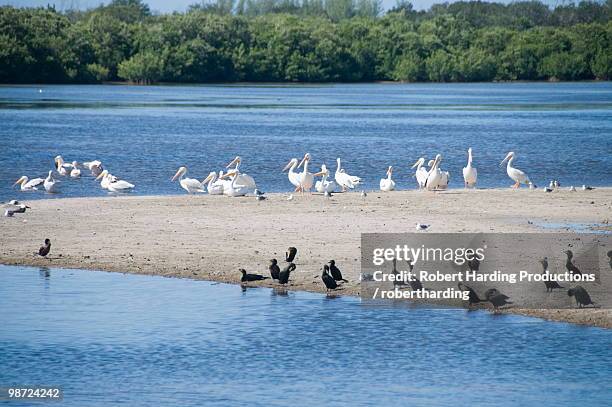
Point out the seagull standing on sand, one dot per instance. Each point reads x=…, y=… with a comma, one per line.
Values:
x=421, y=226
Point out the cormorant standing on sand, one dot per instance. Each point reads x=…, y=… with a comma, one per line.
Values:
x=610, y=258
x=250, y=277
x=396, y=280
x=550, y=285
x=290, y=255
x=335, y=271
x=473, y=298
x=474, y=264
x=283, y=276
x=274, y=269
x=569, y=265
x=581, y=295
x=44, y=250
x=497, y=299
x=329, y=281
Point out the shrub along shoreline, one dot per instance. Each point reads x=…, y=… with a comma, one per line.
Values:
x=307, y=41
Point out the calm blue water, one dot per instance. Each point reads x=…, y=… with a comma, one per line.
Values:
x=143, y=134
x=114, y=339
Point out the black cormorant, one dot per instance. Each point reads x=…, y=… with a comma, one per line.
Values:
x=569, y=265
x=283, y=276
x=335, y=271
x=290, y=254
x=250, y=277
x=329, y=281
x=581, y=295
x=473, y=298
x=550, y=285
x=496, y=298
x=44, y=250
x=274, y=269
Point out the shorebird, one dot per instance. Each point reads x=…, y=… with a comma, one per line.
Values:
x=274, y=269
x=250, y=277
x=329, y=281
x=283, y=276
x=569, y=265
x=290, y=254
x=421, y=226
x=45, y=249
x=335, y=271
x=581, y=295
x=473, y=298
x=470, y=174
x=496, y=298
x=587, y=188
x=518, y=176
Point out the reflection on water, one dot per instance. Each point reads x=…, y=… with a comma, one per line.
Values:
x=111, y=339
x=143, y=134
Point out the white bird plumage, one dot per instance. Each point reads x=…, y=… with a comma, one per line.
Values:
x=291, y=174
x=305, y=178
x=113, y=184
x=436, y=178
x=518, y=176
x=75, y=172
x=470, y=174
x=191, y=185
x=214, y=185
x=26, y=184
x=62, y=166
x=387, y=184
x=244, y=181
x=324, y=185
x=343, y=179
x=50, y=183
x=421, y=172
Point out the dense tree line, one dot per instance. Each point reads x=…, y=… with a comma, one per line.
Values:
x=307, y=40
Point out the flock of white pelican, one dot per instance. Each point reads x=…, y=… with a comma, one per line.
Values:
x=73, y=170
x=231, y=181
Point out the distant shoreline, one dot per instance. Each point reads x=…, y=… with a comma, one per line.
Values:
x=211, y=237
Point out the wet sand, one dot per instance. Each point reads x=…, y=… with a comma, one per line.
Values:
x=210, y=237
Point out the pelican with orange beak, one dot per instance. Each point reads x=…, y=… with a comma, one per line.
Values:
x=61, y=166
x=305, y=178
x=26, y=184
x=243, y=179
x=113, y=184
x=324, y=186
x=387, y=184
x=518, y=176
x=191, y=185
x=215, y=186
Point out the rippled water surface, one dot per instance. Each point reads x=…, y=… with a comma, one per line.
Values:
x=143, y=134
x=114, y=339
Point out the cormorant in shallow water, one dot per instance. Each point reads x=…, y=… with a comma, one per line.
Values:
x=581, y=295
x=44, y=250
x=329, y=281
x=335, y=271
x=274, y=269
x=550, y=285
x=497, y=299
x=283, y=276
x=569, y=265
x=290, y=254
x=250, y=277
x=473, y=298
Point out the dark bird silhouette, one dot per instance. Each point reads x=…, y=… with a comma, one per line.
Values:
x=610, y=258
x=283, y=276
x=250, y=277
x=44, y=250
x=496, y=298
x=274, y=269
x=473, y=298
x=569, y=265
x=329, y=281
x=414, y=282
x=474, y=264
x=290, y=254
x=335, y=271
x=550, y=285
x=581, y=296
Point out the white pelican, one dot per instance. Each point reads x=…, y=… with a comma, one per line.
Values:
x=470, y=174
x=233, y=189
x=113, y=184
x=75, y=172
x=292, y=175
x=191, y=185
x=94, y=166
x=421, y=173
x=30, y=185
x=244, y=179
x=324, y=185
x=305, y=178
x=62, y=167
x=345, y=180
x=215, y=186
x=436, y=178
x=518, y=176
x=387, y=184
x=50, y=184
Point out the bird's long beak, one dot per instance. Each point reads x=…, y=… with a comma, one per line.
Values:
x=419, y=161
x=210, y=176
x=234, y=161
x=178, y=174
x=504, y=160
x=102, y=174
x=288, y=165
x=318, y=174
x=19, y=181
x=303, y=161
